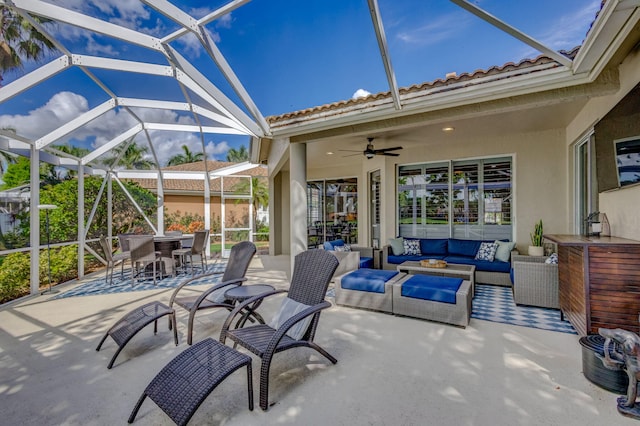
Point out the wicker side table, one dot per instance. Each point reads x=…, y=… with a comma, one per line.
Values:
x=186, y=381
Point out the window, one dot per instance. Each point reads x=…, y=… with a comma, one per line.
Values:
x=468, y=199
x=586, y=192
x=332, y=211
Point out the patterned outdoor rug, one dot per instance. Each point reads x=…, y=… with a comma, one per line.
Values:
x=494, y=303
x=99, y=286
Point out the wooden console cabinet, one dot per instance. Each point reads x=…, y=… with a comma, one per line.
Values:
x=599, y=282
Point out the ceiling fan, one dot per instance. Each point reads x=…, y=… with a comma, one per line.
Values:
x=370, y=151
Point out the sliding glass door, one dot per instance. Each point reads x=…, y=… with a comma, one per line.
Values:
x=332, y=211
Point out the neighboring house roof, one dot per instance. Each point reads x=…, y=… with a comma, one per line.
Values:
x=197, y=186
x=451, y=82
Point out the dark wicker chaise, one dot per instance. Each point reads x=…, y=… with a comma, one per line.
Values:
x=312, y=273
x=233, y=275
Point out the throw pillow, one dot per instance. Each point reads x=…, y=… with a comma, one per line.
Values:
x=503, y=253
x=553, y=259
x=411, y=248
x=487, y=251
x=288, y=309
x=345, y=247
x=397, y=246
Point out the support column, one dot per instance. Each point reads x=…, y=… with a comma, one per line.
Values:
x=109, y=206
x=207, y=211
x=34, y=220
x=160, y=200
x=298, y=198
x=81, y=233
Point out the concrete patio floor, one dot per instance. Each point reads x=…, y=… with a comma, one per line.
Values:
x=390, y=371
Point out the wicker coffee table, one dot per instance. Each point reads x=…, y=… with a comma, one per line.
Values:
x=453, y=270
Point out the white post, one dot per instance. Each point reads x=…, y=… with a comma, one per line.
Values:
x=81, y=238
x=298, y=205
x=160, y=200
x=109, y=206
x=207, y=212
x=34, y=220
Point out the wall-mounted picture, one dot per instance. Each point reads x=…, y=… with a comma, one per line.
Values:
x=628, y=160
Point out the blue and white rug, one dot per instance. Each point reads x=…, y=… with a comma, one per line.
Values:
x=494, y=303
x=123, y=285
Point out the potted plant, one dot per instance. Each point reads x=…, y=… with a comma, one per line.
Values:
x=536, y=248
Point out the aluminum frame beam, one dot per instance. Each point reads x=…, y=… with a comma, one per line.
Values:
x=34, y=78
x=384, y=52
x=512, y=31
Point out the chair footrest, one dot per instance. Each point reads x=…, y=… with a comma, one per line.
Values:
x=127, y=327
x=185, y=382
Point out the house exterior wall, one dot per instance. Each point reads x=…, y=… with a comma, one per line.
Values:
x=621, y=205
x=236, y=214
x=539, y=180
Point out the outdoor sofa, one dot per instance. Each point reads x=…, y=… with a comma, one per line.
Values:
x=452, y=250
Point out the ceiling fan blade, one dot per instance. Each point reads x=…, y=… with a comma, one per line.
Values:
x=388, y=149
x=350, y=150
x=389, y=154
x=352, y=155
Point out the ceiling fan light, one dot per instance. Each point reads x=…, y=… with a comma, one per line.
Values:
x=369, y=155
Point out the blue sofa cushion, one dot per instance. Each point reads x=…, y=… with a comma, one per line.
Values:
x=463, y=247
x=371, y=280
x=396, y=260
x=331, y=245
x=366, y=262
x=427, y=287
x=435, y=246
x=481, y=265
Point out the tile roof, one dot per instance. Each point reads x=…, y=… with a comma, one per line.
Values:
x=526, y=66
x=190, y=185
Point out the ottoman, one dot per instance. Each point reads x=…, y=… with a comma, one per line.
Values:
x=367, y=288
x=433, y=298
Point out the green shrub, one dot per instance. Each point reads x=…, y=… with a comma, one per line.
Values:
x=14, y=276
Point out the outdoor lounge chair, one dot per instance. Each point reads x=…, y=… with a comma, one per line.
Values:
x=296, y=323
x=112, y=260
x=233, y=275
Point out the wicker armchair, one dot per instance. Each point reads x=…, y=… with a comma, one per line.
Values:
x=535, y=283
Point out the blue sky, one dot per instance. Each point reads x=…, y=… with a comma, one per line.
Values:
x=289, y=54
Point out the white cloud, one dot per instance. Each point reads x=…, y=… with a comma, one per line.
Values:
x=65, y=106
x=360, y=93
x=435, y=31
x=217, y=150
x=61, y=108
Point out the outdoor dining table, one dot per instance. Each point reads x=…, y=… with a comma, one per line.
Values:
x=165, y=245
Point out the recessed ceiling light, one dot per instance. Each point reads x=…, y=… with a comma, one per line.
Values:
x=447, y=129
x=329, y=152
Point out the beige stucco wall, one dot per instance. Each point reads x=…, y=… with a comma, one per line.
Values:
x=540, y=179
x=620, y=206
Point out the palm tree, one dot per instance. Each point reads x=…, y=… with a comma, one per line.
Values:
x=187, y=157
x=6, y=159
x=260, y=196
x=238, y=155
x=133, y=157
x=19, y=39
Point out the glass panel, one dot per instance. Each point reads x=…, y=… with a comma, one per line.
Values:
x=410, y=189
x=477, y=207
x=497, y=192
x=315, y=213
x=465, y=193
x=374, y=216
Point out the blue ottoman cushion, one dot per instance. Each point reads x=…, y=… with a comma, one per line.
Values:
x=366, y=262
x=427, y=287
x=371, y=280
